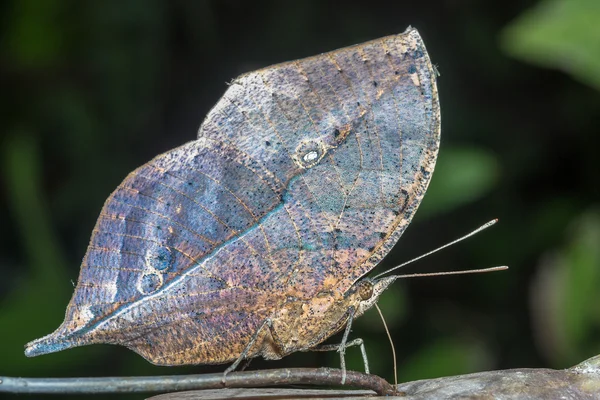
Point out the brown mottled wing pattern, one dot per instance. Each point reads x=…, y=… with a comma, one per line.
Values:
x=302, y=178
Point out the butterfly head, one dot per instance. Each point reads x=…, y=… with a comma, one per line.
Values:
x=368, y=291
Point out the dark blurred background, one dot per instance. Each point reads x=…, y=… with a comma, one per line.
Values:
x=91, y=90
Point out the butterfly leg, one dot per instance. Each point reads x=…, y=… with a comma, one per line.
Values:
x=245, y=365
x=343, y=345
x=355, y=342
x=266, y=324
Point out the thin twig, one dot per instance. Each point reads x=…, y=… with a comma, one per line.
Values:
x=147, y=384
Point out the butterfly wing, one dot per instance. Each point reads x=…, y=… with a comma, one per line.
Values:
x=375, y=107
x=302, y=178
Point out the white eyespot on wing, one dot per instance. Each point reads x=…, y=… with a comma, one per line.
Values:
x=310, y=156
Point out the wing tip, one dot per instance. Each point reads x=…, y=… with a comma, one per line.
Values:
x=46, y=345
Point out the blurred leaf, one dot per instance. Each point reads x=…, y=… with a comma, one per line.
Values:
x=565, y=295
x=441, y=358
x=37, y=305
x=583, y=279
x=21, y=169
x=559, y=34
x=551, y=218
x=461, y=175
x=34, y=34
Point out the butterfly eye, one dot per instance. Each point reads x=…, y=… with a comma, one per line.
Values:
x=365, y=290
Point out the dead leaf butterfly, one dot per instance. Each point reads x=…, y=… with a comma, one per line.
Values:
x=255, y=238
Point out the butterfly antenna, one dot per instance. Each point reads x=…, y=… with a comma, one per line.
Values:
x=481, y=228
x=391, y=344
x=468, y=271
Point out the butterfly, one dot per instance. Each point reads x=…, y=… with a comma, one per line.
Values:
x=255, y=239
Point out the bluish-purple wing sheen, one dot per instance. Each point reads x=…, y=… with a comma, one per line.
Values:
x=303, y=176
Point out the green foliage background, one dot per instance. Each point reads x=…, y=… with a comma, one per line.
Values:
x=91, y=90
